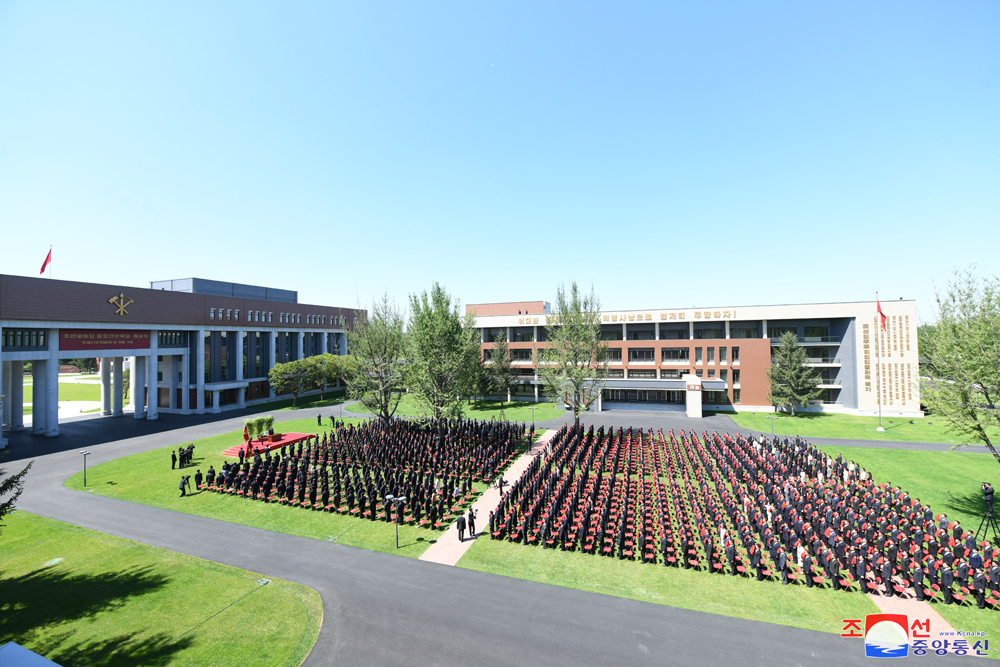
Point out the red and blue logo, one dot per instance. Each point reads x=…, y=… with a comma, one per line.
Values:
x=886, y=636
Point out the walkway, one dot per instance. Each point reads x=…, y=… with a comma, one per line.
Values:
x=448, y=550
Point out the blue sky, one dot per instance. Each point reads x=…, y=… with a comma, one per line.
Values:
x=671, y=154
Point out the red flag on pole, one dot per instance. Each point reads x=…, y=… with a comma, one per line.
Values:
x=48, y=258
x=878, y=305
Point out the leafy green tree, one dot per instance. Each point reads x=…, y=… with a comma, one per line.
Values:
x=293, y=377
x=962, y=353
x=501, y=372
x=377, y=346
x=792, y=382
x=441, y=354
x=574, y=366
x=11, y=488
x=324, y=370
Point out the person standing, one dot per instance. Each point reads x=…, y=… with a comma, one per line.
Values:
x=472, y=522
x=460, y=524
x=197, y=479
x=183, y=485
x=173, y=459
x=319, y=420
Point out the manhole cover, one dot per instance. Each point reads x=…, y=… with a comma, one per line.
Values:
x=331, y=539
x=263, y=582
x=54, y=561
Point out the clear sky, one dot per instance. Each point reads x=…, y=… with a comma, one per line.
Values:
x=672, y=154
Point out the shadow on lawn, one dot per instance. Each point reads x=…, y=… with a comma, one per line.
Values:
x=48, y=597
x=971, y=503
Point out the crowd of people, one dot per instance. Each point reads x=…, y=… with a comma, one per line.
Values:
x=353, y=469
x=776, y=509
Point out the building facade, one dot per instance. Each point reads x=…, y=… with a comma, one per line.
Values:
x=192, y=346
x=717, y=359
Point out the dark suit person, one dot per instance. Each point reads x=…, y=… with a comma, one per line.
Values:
x=979, y=584
x=460, y=524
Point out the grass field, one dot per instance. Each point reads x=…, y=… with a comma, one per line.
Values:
x=826, y=425
x=518, y=411
x=147, y=478
x=72, y=391
x=111, y=602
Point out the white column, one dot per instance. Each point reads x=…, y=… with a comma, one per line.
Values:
x=727, y=329
x=199, y=369
x=105, y=385
x=138, y=388
x=240, y=391
x=215, y=401
x=52, y=385
x=323, y=342
x=171, y=367
x=185, y=381
x=118, y=386
x=38, y=380
x=5, y=374
x=272, y=357
x=763, y=334
x=656, y=333
x=693, y=396
x=16, y=396
x=152, y=376
x=624, y=331
x=301, y=335
x=690, y=330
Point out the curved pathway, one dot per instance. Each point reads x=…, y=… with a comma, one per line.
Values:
x=381, y=609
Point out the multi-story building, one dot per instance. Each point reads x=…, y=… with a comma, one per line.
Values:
x=193, y=345
x=717, y=358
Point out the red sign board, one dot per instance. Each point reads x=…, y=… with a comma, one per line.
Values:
x=102, y=339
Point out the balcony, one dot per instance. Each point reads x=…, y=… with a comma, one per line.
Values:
x=823, y=361
x=829, y=384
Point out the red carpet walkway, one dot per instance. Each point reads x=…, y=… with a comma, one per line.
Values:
x=258, y=446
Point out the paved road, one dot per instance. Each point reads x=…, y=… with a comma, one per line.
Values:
x=381, y=609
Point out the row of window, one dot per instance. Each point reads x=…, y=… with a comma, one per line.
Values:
x=674, y=354
x=661, y=396
x=23, y=338
x=233, y=314
x=669, y=374
x=172, y=338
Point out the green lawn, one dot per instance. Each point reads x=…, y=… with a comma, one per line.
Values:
x=72, y=391
x=826, y=425
x=83, y=598
x=518, y=411
x=147, y=478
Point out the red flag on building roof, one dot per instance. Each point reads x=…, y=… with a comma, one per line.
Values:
x=878, y=305
x=48, y=258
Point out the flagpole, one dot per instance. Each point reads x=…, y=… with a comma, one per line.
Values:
x=50, y=262
x=878, y=368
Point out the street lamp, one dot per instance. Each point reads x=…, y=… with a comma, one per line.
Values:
x=85, y=453
x=399, y=500
x=533, y=418
x=772, y=418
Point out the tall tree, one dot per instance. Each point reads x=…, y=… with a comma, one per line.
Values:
x=500, y=369
x=293, y=377
x=11, y=488
x=962, y=353
x=326, y=369
x=442, y=353
x=376, y=342
x=792, y=382
x=574, y=366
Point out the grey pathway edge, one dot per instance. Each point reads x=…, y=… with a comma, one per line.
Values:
x=380, y=609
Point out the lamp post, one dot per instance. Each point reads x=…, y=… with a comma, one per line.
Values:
x=532, y=418
x=397, y=501
x=85, y=453
x=772, y=418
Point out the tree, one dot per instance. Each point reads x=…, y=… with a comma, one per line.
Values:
x=376, y=343
x=574, y=366
x=500, y=370
x=962, y=353
x=792, y=382
x=292, y=378
x=12, y=487
x=441, y=354
x=126, y=382
x=324, y=370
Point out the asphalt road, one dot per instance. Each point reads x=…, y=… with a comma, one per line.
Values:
x=380, y=609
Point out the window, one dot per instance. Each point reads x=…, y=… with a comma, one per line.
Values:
x=237, y=313
x=711, y=355
x=736, y=395
x=520, y=355
x=17, y=338
x=676, y=354
x=699, y=372
x=736, y=376
x=736, y=355
x=672, y=334
x=697, y=355
x=616, y=373
x=494, y=332
x=722, y=355
x=640, y=354
x=672, y=373
x=649, y=373
x=708, y=333
x=524, y=335
x=159, y=376
x=641, y=332
x=611, y=332
x=778, y=332
x=211, y=313
x=724, y=375
x=298, y=319
x=269, y=316
x=711, y=372
x=614, y=354
x=487, y=355
x=229, y=313
x=817, y=332
x=743, y=332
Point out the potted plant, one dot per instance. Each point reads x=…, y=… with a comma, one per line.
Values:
x=268, y=423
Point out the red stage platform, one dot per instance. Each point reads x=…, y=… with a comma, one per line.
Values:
x=284, y=439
